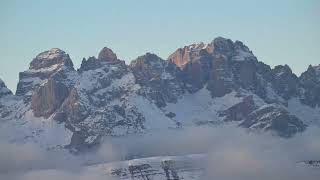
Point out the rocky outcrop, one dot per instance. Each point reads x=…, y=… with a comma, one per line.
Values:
x=187, y=54
x=47, y=82
x=54, y=64
x=273, y=117
x=222, y=64
x=4, y=91
x=158, y=79
x=221, y=78
x=98, y=103
x=48, y=98
x=310, y=86
x=285, y=82
x=50, y=58
x=107, y=55
x=240, y=110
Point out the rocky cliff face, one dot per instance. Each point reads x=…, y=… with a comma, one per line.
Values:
x=273, y=117
x=199, y=84
x=98, y=104
x=310, y=86
x=158, y=79
x=222, y=64
x=53, y=67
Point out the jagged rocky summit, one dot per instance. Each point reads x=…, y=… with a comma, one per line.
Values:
x=200, y=84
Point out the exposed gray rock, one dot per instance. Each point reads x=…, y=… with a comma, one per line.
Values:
x=158, y=79
x=310, y=86
x=275, y=118
x=4, y=91
x=285, y=82
x=223, y=46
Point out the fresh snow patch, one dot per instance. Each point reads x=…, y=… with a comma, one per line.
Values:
x=155, y=118
x=50, y=54
x=51, y=68
x=200, y=106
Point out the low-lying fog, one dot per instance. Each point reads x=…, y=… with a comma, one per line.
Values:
x=233, y=153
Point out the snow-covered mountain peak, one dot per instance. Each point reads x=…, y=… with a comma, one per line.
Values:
x=50, y=60
x=236, y=51
x=219, y=47
x=221, y=43
x=50, y=54
x=48, y=81
x=196, y=46
x=187, y=54
x=282, y=70
x=149, y=59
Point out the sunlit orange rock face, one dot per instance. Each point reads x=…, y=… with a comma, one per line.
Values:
x=188, y=53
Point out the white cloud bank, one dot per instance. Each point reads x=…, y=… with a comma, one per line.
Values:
x=233, y=153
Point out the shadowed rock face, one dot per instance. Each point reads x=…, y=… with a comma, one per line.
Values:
x=46, y=84
x=223, y=46
x=310, y=82
x=240, y=110
x=158, y=79
x=285, y=82
x=42, y=68
x=98, y=104
x=148, y=67
x=48, y=98
x=220, y=82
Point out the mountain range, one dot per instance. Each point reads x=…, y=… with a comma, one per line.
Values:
x=222, y=82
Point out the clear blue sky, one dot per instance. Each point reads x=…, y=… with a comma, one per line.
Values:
x=278, y=31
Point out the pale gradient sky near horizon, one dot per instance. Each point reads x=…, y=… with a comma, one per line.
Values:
x=277, y=31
